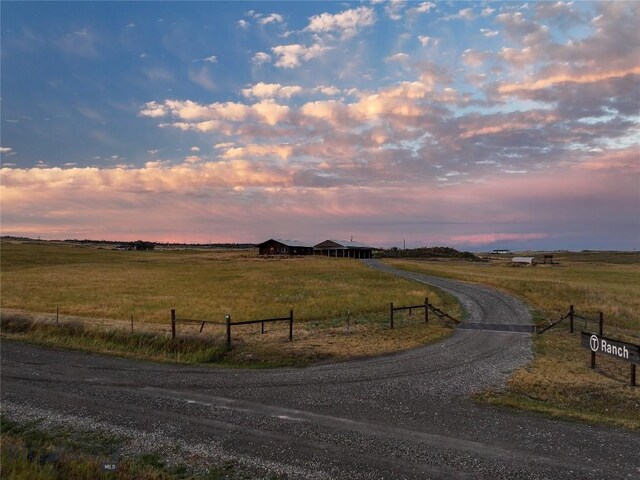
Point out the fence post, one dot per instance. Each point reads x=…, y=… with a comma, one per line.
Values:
x=291, y=325
x=132, y=323
x=426, y=310
x=600, y=324
x=227, y=319
x=261, y=327
x=348, y=321
x=57, y=315
x=570, y=318
x=391, y=311
x=173, y=324
x=633, y=375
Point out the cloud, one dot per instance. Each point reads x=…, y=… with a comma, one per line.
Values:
x=330, y=91
x=243, y=24
x=474, y=58
x=575, y=78
x=489, y=33
x=424, y=7
x=426, y=40
x=211, y=59
x=487, y=11
x=398, y=57
x=463, y=14
x=394, y=9
x=346, y=24
x=154, y=110
x=203, y=78
x=6, y=150
x=291, y=56
x=271, y=90
x=251, y=151
x=271, y=112
x=261, y=57
x=272, y=18
x=236, y=195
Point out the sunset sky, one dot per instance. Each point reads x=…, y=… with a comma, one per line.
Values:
x=476, y=125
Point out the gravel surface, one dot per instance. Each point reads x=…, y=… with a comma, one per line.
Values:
x=401, y=416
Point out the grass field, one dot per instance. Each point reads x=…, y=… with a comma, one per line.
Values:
x=559, y=381
x=108, y=286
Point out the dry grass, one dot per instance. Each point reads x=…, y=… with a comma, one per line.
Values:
x=591, y=286
x=103, y=288
x=559, y=381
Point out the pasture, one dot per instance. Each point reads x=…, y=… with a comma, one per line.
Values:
x=104, y=288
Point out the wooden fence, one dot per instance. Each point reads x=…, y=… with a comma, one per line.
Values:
x=228, y=324
x=426, y=306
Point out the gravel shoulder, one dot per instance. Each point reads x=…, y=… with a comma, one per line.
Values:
x=399, y=416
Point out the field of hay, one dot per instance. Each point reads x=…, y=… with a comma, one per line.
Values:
x=107, y=287
x=559, y=381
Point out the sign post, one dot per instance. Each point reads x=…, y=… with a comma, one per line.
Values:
x=627, y=352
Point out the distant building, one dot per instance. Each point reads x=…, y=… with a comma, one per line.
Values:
x=343, y=249
x=501, y=252
x=523, y=260
x=277, y=246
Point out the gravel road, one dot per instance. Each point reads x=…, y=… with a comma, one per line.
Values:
x=401, y=416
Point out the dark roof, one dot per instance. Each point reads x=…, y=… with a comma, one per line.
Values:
x=288, y=243
x=345, y=244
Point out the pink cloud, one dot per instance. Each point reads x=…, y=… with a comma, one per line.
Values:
x=249, y=200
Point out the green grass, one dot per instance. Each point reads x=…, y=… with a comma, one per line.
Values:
x=30, y=452
x=559, y=382
x=102, y=288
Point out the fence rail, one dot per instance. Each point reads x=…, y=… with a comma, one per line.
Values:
x=175, y=321
x=229, y=324
x=427, y=308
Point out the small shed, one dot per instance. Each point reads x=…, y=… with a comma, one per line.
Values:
x=523, y=260
x=278, y=246
x=343, y=249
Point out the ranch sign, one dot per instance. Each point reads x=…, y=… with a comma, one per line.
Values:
x=615, y=348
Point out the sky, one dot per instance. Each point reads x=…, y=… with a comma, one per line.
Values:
x=476, y=125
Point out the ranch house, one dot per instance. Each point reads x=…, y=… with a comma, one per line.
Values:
x=277, y=246
x=343, y=249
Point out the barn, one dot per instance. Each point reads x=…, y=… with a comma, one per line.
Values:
x=343, y=249
x=278, y=246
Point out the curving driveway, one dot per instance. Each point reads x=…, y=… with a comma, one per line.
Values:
x=399, y=416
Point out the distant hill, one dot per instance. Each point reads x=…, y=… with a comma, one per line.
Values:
x=427, y=252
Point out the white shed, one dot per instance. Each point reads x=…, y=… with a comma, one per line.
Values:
x=524, y=260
